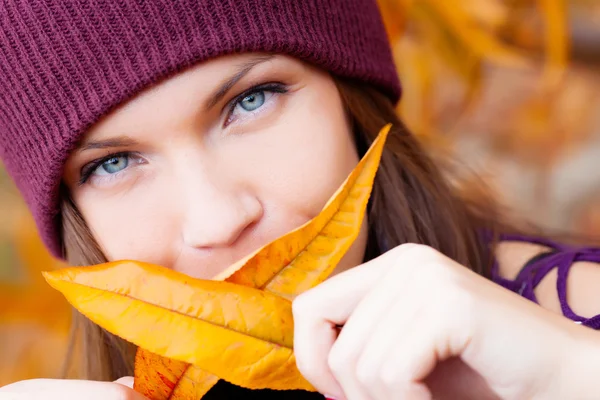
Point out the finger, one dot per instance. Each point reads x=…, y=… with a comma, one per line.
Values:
x=383, y=339
x=406, y=318
x=319, y=311
x=421, y=343
x=356, y=343
x=339, y=295
x=308, y=352
x=73, y=389
x=408, y=363
x=401, y=317
x=126, y=381
x=371, y=329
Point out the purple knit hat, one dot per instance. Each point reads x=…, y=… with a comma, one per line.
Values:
x=65, y=63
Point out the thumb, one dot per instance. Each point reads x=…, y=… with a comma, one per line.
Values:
x=128, y=382
x=125, y=381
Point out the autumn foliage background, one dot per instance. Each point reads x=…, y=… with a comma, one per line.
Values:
x=509, y=88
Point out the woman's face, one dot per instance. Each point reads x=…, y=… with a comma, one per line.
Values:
x=213, y=163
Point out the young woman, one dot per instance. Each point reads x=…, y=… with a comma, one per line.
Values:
x=189, y=133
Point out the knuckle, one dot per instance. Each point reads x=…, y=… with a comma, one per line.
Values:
x=464, y=304
x=417, y=250
x=120, y=392
x=302, y=305
x=304, y=365
x=389, y=377
x=430, y=276
x=335, y=363
x=417, y=255
x=434, y=272
x=338, y=361
x=461, y=298
x=455, y=307
x=460, y=288
x=366, y=374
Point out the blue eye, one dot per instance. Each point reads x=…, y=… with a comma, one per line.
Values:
x=112, y=165
x=253, y=101
x=109, y=166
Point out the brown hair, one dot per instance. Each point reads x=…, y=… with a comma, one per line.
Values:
x=412, y=201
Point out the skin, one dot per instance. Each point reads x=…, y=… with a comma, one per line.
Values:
x=203, y=189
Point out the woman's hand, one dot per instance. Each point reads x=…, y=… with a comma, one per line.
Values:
x=55, y=389
x=416, y=324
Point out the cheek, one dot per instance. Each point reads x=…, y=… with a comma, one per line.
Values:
x=320, y=159
x=304, y=158
x=135, y=226
x=316, y=159
x=316, y=171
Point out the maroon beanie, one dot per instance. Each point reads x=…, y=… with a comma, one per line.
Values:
x=65, y=63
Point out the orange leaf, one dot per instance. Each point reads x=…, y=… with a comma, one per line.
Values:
x=161, y=378
x=241, y=334
x=164, y=370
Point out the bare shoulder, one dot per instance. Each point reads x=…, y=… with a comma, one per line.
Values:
x=582, y=284
x=512, y=256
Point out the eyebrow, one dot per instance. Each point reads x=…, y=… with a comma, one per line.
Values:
x=213, y=99
x=227, y=84
x=119, y=141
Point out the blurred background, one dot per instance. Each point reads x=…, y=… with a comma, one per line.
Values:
x=509, y=88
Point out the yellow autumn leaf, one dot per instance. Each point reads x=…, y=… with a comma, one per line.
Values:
x=241, y=334
x=161, y=378
x=160, y=375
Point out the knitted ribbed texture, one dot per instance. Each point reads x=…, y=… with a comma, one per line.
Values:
x=65, y=63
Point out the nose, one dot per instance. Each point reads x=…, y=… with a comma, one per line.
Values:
x=217, y=213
